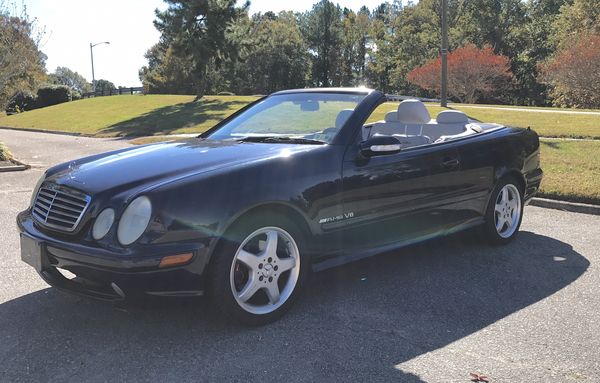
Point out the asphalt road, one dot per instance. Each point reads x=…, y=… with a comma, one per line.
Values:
x=527, y=312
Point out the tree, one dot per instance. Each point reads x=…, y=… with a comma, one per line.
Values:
x=279, y=58
x=576, y=17
x=472, y=73
x=532, y=46
x=104, y=86
x=197, y=30
x=491, y=22
x=574, y=73
x=415, y=39
x=22, y=64
x=166, y=72
x=354, y=46
x=380, y=62
x=322, y=29
x=65, y=76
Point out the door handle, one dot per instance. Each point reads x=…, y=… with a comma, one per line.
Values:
x=450, y=163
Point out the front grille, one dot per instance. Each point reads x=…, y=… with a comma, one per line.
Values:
x=59, y=207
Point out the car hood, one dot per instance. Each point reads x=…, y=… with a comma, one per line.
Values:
x=155, y=164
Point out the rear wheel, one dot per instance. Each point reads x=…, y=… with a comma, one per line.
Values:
x=505, y=212
x=258, y=271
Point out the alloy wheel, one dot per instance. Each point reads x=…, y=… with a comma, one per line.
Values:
x=507, y=211
x=265, y=270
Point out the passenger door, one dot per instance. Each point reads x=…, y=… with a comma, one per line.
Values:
x=405, y=196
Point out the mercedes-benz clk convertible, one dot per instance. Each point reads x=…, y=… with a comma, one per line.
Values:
x=294, y=182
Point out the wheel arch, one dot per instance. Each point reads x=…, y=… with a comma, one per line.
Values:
x=274, y=207
x=515, y=173
x=502, y=173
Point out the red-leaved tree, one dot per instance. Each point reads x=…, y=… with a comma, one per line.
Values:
x=472, y=73
x=574, y=74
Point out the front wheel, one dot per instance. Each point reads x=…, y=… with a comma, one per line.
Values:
x=258, y=271
x=505, y=212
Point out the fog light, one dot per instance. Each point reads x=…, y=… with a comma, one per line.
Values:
x=174, y=260
x=103, y=223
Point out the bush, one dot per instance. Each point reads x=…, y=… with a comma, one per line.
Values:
x=4, y=153
x=21, y=102
x=473, y=73
x=573, y=73
x=52, y=95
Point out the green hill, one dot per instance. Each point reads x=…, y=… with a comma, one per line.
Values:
x=130, y=115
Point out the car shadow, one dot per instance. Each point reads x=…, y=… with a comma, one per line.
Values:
x=356, y=322
x=166, y=120
x=551, y=144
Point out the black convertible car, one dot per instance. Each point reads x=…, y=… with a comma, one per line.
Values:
x=294, y=182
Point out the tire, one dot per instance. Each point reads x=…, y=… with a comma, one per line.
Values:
x=253, y=280
x=504, y=212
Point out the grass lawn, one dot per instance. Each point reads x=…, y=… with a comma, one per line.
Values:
x=571, y=170
x=130, y=115
x=138, y=115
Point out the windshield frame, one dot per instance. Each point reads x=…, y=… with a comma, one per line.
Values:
x=366, y=93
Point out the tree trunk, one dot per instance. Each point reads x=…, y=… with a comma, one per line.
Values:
x=201, y=83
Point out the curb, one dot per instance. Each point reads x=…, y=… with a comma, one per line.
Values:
x=18, y=166
x=34, y=130
x=574, y=207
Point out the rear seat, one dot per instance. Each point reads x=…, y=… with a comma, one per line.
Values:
x=407, y=124
x=413, y=125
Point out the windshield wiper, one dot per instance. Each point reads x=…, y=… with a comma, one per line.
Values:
x=281, y=139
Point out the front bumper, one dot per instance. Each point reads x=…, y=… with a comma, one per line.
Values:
x=110, y=275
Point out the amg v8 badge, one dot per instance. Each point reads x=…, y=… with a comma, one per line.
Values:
x=337, y=217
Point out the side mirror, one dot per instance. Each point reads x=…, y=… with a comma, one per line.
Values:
x=380, y=145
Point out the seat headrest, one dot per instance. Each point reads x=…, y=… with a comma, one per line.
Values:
x=452, y=117
x=413, y=112
x=391, y=116
x=342, y=117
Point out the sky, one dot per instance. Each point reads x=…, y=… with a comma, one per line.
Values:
x=71, y=25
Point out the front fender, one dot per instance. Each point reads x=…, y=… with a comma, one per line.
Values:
x=305, y=184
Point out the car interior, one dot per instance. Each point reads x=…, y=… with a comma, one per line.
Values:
x=413, y=126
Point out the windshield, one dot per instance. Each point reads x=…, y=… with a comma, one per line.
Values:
x=296, y=117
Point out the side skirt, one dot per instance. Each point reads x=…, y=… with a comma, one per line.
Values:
x=361, y=254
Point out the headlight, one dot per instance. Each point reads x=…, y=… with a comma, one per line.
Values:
x=134, y=220
x=103, y=223
x=36, y=189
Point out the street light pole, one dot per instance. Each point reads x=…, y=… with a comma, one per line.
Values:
x=444, y=95
x=92, y=57
x=93, y=78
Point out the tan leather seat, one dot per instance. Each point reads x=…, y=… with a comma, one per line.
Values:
x=408, y=120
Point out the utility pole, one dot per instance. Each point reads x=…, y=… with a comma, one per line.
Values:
x=93, y=78
x=444, y=52
x=92, y=57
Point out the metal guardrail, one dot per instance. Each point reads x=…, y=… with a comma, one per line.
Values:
x=399, y=97
x=114, y=92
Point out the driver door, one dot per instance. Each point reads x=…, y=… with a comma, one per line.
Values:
x=398, y=197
